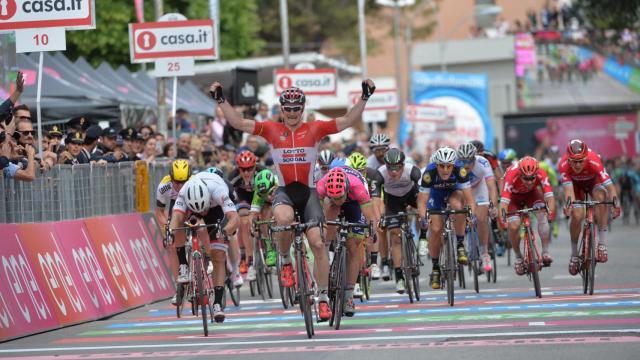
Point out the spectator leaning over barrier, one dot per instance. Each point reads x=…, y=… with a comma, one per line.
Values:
x=73, y=148
x=25, y=136
x=130, y=137
x=107, y=147
x=10, y=170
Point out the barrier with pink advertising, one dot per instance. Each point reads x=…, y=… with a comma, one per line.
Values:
x=58, y=274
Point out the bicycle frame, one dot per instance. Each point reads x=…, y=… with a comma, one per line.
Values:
x=303, y=286
x=532, y=258
x=410, y=262
x=588, y=243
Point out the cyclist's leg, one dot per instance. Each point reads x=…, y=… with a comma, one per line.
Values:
x=599, y=193
x=218, y=252
x=544, y=230
x=244, y=234
x=283, y=215
x=456, y=201
x=384, y=239
x=177, y=220
x=575, y=222
x=352, y=213
x=270, y=250
x=481, y=194
x=436, y=225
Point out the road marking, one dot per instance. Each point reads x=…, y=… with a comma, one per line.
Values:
x=307, y=342
x=373, y=321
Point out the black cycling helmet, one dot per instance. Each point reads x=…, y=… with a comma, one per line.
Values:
x=394, y=156
x=479, y=145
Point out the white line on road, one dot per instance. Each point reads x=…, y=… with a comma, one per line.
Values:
x=217, y=343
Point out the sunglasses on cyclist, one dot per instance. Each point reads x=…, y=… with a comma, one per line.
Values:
x=394, y=167
x=292, y=108
x=324, y=168
x=445, y=166
x=248, y=169
x=576, y=161
x=3, y=137
x=467, y=161
x=343, y=197
x=528, y=178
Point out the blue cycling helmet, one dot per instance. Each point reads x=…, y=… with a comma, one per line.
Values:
x=507, y=155
x=337, y=162
x=215, y=170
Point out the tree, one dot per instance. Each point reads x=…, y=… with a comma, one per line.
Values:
x=109, y=42
x=609, y=14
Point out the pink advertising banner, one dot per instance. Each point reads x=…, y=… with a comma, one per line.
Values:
x=525, y=53
x=26, y=306
x=80, y=255
x=44, y=249
x=611, y=135
x=139, y=246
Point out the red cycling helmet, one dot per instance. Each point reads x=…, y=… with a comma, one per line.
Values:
x=292, y=96
x=246, y=159
x=337, y=184
x=577, y=149
x=528, y=166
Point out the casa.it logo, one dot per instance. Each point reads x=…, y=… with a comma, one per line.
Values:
x=7, y=9
x=146, y=40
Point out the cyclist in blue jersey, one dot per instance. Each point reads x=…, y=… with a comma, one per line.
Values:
x=442, y=183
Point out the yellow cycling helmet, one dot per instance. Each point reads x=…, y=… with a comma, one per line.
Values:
x=358, y=161
x=180, y=170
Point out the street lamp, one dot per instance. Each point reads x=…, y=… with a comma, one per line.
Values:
x=479, y=10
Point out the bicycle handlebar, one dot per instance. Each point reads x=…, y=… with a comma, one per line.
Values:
x=448, y=212
x=526, y=211
x=192, y=227
x=349, y=225
x=590, y=202
x=294, y=226
x=262, y=222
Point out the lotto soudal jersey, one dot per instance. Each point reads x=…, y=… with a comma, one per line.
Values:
x=294, y=153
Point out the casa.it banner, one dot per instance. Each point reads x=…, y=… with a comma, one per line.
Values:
x=64, y=273
x=465, y=98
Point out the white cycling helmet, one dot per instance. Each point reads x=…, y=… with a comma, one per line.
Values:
x=445, y=155
x=325, y=157
x=197, y=196
x=379, y=140
x=467, y=151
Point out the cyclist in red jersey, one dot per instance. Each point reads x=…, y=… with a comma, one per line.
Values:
x=522, y=183
x=582, y=172
x=294, y=149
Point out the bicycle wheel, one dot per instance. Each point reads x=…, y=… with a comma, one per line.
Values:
x=451, y=263
x=584, y=259
x=407, y=269
x=202, y=299
x=461, y=280
x=342, y=285
x=303, y=292
x=234, y=293
x=533, y=263
x=474, y=258
x=592, y=258
x=260, y=280
x=268, y=284
x=333, y=281
x=414, y=269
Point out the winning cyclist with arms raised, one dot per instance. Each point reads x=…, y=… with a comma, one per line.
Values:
x=294, y=148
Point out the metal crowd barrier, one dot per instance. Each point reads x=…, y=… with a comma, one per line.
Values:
x=69, y=192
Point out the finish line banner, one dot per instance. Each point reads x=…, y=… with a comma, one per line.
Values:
x=59, y=274
x=465, y=98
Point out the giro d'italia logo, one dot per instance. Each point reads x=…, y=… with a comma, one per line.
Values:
x=7, y=9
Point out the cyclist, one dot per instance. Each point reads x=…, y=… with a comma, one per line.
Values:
x=522, y=184
x=347, y=193
x=359, y=163
x=582, y=173
x=400, y=188
x=294, y=147
x=483, y=187
x=241, y=179
x=379, y=144
x=206, y=196
x=444, y=182
x=325, y=158
x=264, y=188
x=166, y=195
x=507, y=157
x=498, y=175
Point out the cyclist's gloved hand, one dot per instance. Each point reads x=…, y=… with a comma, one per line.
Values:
x=368, y=88
x=566, y=210
x=552, y=216
x=616, y=209
x=215, y=90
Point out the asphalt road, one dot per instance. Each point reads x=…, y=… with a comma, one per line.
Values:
x=503, y=321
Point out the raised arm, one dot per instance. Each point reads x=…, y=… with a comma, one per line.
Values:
x=230, y=114
x=355, y=114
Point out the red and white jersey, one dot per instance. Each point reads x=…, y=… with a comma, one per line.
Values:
x=592, y=173
x=294, y=154
x=513, y=184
